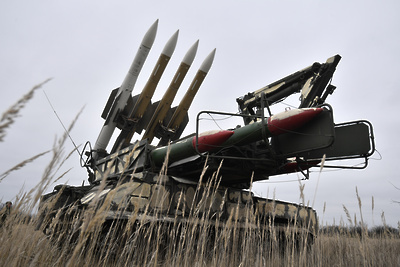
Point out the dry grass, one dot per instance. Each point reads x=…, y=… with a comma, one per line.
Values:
x=10, y=115
x=140, y=243
x=91, y=241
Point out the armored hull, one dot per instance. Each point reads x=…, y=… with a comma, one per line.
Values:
x=133, y=193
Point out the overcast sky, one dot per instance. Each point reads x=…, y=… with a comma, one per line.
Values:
x=88, y=46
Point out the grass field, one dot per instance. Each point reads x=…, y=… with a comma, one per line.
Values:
x=161, y=245
x=136, y=242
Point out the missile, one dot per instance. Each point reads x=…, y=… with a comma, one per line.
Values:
x=168, y=98
x=280, y=123
x=124, y=92
x=183, y=107
x=206, y=142
x=147, y=93
x=209, y=141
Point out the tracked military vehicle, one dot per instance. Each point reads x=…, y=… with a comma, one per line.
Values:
x=210, y=173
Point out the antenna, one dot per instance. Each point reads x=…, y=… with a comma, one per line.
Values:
x=65, y=129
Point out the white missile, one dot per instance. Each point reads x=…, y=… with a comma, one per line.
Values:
x=147, y=93
x=125, y=90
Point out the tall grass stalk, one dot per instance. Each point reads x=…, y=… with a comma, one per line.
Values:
x=9, y=116
x=140, y=242
x=88, y=239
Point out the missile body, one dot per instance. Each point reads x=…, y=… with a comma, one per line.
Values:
x=168, y=98
x=185, y=148
x=148, y=91
x=187, y=99
x=212, y=140
x=277, y=124
x=125, y=90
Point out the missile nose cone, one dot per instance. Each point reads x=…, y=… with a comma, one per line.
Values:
x=170, y=45
x=206, y=65
x=191, y=53
x=211, y=140
x=150, y=35
x=291, y=119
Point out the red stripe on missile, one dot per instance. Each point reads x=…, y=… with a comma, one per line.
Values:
x=291, y=119
x=210, y=140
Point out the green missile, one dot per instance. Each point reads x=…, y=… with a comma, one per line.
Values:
x=280, y=123
x=285, y=121
x=186, y=148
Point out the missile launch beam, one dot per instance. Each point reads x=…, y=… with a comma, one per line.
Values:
x=109, y=103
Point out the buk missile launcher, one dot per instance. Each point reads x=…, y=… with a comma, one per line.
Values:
x=140, y=181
